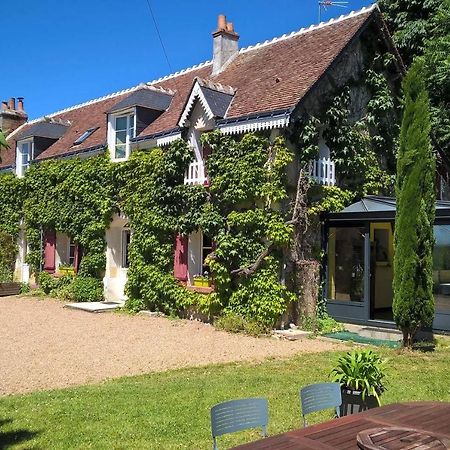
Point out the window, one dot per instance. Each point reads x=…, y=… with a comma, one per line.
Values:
x=124, y=129
x=72, y=250
x=207, y=247
x=126, y=238
x=441, y=268
x=85, y=135
x=24, y=156
x=346, y=264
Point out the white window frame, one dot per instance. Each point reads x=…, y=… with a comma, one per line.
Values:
x=124, y=248
x=112, y=120
x=71, y=244
x=20, y=167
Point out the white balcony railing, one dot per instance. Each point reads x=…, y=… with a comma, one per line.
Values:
x=323, y=171
x=195, y=173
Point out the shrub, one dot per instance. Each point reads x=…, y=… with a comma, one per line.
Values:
x=24, y=288
x=85, y=289
x=234, y=323
x=8, y=250
x=47, y=282
x=361, y=370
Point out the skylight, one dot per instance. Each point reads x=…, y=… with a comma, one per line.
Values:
x=85, y=135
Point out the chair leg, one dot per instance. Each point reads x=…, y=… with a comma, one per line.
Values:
x=264, y=432
x=215, y=444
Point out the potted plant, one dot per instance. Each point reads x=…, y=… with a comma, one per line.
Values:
x=361, y=376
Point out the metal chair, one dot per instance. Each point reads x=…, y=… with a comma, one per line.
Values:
x=238, y=415
x=317, y=397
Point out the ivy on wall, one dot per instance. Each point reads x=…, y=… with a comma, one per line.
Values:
x=75, y=197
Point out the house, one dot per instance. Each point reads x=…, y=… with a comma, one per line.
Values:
x=271, y=88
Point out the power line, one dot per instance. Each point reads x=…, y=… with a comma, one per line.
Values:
x=160, y=38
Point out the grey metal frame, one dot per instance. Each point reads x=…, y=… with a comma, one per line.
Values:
x=238, y=415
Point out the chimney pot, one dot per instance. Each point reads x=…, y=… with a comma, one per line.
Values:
x=12, y=104
x=20, y=104
x=221, y=22
x=4, y=106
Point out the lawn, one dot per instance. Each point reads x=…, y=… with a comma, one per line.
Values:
x=171, y=410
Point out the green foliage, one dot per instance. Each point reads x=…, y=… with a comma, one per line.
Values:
x=234, y=323
x=84, y=289
x=261, y=297
x=11, y=201
x=361, y=370
x=413, y=304
x=47, y=282
x=411, y=23
x=8, y=250
x=75, y=197
x=25, y=288
x=331, y=199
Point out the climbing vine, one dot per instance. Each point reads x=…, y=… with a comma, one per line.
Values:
x=75, y=197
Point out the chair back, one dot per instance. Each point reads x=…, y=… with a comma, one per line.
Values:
x=238, y=415
x=317, y=397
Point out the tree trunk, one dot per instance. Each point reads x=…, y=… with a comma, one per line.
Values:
x=307, y=280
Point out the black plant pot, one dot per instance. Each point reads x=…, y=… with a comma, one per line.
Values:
x=352, y=402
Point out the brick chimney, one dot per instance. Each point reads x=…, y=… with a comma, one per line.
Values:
x=225, y=41
x=10, y=117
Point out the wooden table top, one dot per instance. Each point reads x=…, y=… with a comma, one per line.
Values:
x=341, y=434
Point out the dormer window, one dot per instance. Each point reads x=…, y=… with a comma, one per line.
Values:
x=122, y=130
x=23, y=157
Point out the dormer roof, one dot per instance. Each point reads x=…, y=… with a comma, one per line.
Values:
x=146, y=97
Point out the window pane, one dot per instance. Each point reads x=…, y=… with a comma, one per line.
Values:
x=121, y=123
x=120, y=151
x=346, y=264
x=441, y=268
x=121, y=137
x=126, y=237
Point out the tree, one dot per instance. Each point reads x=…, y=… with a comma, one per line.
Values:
x=413, y=304
x=3, y=143
x=411, y=24
x=437, y=75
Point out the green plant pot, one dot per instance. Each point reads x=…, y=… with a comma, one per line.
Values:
x=198, y=282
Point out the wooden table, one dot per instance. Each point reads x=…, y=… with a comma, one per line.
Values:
x=340, y=434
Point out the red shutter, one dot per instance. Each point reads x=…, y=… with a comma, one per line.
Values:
x=49, y=250
x=180, y=266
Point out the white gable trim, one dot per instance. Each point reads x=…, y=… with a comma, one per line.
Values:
x=196, y=93
x=166, y=140
x=266, y=123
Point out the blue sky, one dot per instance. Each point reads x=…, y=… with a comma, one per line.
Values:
x=58, y=53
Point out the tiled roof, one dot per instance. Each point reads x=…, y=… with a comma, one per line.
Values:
x=274, y=75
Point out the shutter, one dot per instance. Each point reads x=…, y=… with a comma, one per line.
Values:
x=180, y=269
x=49, y=250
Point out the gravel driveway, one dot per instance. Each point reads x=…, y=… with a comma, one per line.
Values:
x=43, y=345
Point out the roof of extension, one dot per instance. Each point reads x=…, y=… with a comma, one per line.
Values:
x=271, y=76
x=375, y=207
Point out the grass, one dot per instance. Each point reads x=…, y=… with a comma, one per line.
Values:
x=171, y=410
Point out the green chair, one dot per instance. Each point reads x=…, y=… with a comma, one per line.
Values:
x=238, y=415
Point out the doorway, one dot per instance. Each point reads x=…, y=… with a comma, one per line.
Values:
x=381, y=271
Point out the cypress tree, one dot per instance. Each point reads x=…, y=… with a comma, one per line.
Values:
x=413, y=304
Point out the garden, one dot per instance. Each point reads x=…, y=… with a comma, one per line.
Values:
x=171, y=409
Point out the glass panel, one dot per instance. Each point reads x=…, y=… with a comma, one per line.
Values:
x=120, y=151
x=121, y=137
x=441, y=268
x=126, y=237
x=71, y=253
x=346, y=264
x=132, y=134
x=121, y=123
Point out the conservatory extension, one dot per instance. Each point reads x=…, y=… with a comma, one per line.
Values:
x=359, y=263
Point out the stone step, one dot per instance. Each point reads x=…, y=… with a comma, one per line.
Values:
x=95, y=307
x=386, y=334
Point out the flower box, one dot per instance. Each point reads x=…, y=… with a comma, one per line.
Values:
x=201, y=282
x=66, y=270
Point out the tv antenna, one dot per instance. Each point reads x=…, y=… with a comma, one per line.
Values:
x=324, y=4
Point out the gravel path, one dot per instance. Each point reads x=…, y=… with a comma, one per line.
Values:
x=43, y=345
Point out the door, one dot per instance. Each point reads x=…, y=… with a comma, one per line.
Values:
x=381, y=271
